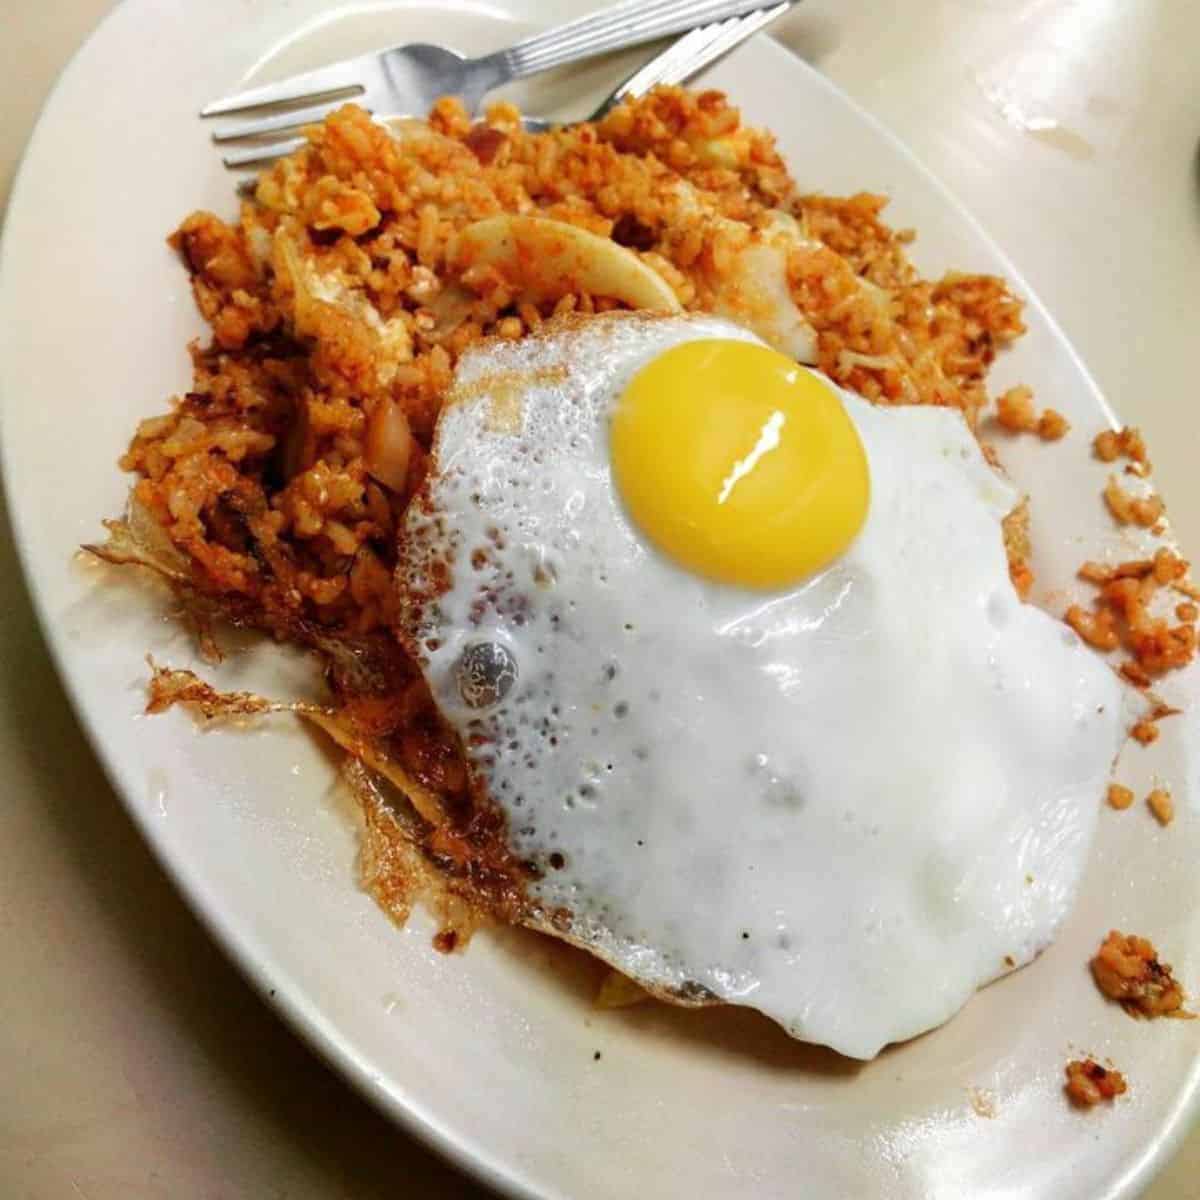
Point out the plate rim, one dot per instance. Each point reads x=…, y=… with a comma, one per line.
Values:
x=269, y=978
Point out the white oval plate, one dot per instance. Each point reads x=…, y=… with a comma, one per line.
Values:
x=493, y=1055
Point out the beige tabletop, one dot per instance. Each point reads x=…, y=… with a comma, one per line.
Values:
x=136, y=1062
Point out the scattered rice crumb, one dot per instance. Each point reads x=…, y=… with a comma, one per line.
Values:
x=1145, y=732
x=1161, y=805
x=1052, y=425
x=1119, y=796
x=1015, y=412
x=1109, y=445
x=1088, y=1083
x=1122, y=615
x=1126, y=969
x=1132, y=673
x=1129, y=509
x=1095, y=572
x=1097, y=628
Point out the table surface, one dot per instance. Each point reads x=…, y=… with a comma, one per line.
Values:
x=147, y=1067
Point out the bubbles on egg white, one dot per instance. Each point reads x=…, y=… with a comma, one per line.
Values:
x=486, y=673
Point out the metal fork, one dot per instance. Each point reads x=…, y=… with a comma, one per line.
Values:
x=684, y=58
x=408, y=79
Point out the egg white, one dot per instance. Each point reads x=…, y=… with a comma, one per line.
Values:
x=849, y=803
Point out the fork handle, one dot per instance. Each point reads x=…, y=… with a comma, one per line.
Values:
x=615, y=28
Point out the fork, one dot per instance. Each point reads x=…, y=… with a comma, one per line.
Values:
x=408, y=79
x=685, y=57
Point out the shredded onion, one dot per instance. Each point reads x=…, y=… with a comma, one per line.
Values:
x=388, y=446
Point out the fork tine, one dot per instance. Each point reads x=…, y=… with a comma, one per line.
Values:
x=679, y=51
x=343, y=76
x=288, y=120
x=731, y=34
x=261, y=154
x=737, y=31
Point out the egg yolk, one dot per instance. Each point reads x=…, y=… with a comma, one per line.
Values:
x=739, y=464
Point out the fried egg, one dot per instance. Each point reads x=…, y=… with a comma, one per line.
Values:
x=738, y=656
